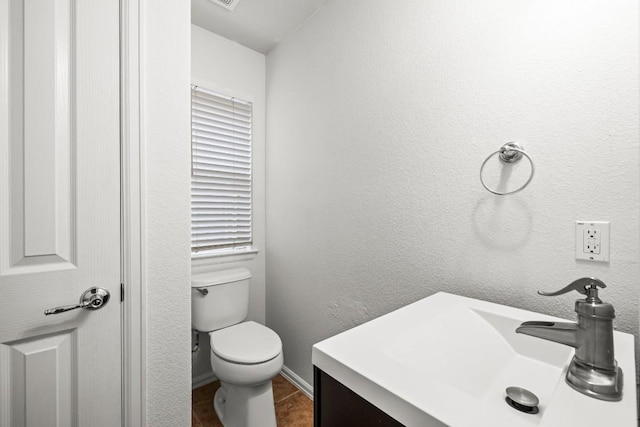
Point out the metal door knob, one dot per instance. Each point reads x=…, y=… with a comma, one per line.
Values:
x=92, y=299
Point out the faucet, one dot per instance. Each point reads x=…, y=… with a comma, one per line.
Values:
x=593, y=369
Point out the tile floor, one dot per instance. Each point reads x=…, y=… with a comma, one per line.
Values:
x=293, y=407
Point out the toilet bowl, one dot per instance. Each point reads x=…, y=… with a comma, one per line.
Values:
x=245, y=355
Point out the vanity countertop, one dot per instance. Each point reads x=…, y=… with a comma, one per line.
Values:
x=446, y=360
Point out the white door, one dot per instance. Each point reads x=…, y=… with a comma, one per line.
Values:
x=59, y=212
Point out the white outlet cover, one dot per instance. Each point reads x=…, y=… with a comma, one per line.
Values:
x=592, y=241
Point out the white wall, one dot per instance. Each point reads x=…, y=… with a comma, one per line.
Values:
x=165, y=128
x=379, y=116
x=227, y=67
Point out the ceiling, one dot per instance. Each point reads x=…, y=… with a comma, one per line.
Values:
x=256, y=24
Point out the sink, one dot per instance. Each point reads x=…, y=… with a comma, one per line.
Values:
x=447, y=360
x=486, y=355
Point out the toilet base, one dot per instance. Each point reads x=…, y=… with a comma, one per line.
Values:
x=245, y=406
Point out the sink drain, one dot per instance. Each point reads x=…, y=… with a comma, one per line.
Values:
x=523, y=400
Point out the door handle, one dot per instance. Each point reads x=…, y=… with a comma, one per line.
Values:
x=92, y=299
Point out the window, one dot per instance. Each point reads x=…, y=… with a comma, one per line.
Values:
x=220, y=171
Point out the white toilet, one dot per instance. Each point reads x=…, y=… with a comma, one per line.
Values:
x=245, y=355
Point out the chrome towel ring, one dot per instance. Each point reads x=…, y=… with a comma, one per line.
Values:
x=509, y=153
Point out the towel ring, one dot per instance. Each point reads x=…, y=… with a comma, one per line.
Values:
x=510, y=152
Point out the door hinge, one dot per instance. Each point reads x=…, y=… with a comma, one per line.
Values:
x=121, y=292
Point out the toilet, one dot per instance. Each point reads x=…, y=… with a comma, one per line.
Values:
x=245, y=355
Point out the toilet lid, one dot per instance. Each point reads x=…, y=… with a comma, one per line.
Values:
x=247, y=342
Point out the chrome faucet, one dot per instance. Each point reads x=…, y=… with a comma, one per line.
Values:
x=593, y=369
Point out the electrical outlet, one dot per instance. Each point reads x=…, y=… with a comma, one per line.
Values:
x=592, y=240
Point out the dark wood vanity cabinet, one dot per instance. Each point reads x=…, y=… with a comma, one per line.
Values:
x=335, y=405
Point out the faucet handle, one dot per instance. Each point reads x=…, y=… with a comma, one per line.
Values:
x=587, y=286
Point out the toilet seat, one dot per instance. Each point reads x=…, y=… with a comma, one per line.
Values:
x=246, y=343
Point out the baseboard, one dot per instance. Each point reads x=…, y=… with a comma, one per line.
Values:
x=294, y=379
x=203, y=379
x=287, y=373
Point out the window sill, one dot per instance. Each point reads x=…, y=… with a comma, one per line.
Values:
x=223, y=255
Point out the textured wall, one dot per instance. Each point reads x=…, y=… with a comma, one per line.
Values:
x=165, y=138
x=226, y=66
x=379, y=115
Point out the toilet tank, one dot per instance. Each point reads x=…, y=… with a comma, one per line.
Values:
x=226, y=301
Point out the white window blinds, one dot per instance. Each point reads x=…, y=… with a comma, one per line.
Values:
x=221, y=171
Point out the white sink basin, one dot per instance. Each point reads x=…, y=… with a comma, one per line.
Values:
x=446, y=361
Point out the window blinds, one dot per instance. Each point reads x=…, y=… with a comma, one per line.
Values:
x=220, y=171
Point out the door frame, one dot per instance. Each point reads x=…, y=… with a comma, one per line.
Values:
x=132, y=210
